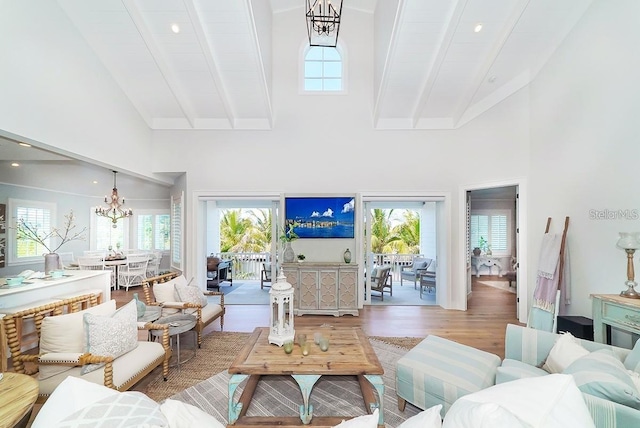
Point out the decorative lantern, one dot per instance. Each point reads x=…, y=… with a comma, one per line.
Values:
x=281, y=301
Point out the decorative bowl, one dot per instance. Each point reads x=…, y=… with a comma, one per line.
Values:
x=14, y=280
x=57, y=273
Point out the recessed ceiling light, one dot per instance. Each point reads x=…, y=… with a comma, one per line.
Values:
x=15, y=164
x=95, y=181
x=175, y=28
x=478, y=27
x=24, y=144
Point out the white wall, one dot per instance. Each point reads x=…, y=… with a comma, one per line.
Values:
x=56, y=93
x=326, y=144
x=584, y=146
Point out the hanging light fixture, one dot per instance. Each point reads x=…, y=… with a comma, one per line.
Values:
x=114, y=209
x=323, y=22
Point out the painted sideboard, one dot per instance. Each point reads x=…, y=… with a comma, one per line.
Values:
x=323, y=288
x=615, y=311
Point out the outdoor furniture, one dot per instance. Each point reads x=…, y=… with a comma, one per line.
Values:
x=265, y=275
x=218, y=271
x=411, y=273
x=381, y=281
x=428, y=281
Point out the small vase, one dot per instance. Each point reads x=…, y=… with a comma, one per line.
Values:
x=477, y=251
x=347, y=256
x=288, y=255
x=51, y=263
x=142, y=308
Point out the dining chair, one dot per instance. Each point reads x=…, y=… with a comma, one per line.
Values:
x=153, y=267
x=91, y=263
x=66, y=259
x=134, y=272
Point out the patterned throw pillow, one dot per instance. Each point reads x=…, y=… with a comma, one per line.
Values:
x=127, y=409
x=111, y=336
x=601, y=374
x=191, y=294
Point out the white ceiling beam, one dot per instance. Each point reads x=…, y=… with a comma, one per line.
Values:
x=480, y=77
x=159, y=58
x=207, y=51
x=434, y=70
x=384, y=80
x=263, y=77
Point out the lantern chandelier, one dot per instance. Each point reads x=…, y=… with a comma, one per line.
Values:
x=114, y=209
x=323, y=22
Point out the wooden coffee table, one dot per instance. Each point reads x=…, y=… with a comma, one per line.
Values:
x=349, y=353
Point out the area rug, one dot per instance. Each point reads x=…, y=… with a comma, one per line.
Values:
x=280, y=395
x=502, y=285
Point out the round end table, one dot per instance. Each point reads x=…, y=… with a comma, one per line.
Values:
x=178, y=324
x=18, y=393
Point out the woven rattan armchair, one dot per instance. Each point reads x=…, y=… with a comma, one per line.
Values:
x=171, y=304
x=119, y=373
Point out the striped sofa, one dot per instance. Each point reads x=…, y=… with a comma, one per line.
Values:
x=526, y=349
x=439, y=371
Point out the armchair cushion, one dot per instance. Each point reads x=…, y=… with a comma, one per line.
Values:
x=65, y=334
x=191, y=294
x=166, y=292
x=111, y=336
x=601, y=374
x=632, y=361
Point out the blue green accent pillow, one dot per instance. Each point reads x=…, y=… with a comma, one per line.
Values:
x=632, y=362
x=602, y=374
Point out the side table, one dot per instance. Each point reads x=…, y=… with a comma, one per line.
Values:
x=178, y=324
x=18, y=393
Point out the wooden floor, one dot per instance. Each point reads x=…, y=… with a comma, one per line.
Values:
x=481, y=326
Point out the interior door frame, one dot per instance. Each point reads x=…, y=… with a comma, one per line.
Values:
x=521, y=239
x=443, y=238
x=197, y=226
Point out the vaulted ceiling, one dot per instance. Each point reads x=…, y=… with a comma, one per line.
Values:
x=435, y=71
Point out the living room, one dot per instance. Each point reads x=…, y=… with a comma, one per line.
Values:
x=566, y=137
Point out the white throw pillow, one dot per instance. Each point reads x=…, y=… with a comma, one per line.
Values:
x=71, y=395
x=111, y=336
x=365, y=421
x=552, y=401
x=166, y=292
x=65, y=334
x=565, y=351
x=191, y=294
x=183, y=415
x=429, y=418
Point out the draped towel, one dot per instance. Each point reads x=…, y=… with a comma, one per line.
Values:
x=549, y=255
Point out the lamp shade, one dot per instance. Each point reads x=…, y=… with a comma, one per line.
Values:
x=628, y=241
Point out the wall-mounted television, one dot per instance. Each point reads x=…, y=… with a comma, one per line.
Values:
x=320, y=217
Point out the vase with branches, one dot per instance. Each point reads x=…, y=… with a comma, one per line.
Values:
x=286, y=237
x=52, y=239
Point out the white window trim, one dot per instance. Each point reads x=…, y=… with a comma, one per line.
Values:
x=499, y=211
x=153, y=212
x=342, y=50
x=11, y=257
x=94, y=227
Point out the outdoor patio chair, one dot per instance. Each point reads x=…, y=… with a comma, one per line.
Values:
x=412, y=273
x=381, y=281
x=265, y=275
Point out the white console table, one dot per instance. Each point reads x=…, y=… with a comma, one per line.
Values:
x=615, y=311
x=479, y=261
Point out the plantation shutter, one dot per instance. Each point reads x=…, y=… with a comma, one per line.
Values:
x=176, y=232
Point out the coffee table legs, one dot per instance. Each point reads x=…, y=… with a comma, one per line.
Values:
x=371, y=401
x=306, y=382
x=235, y=408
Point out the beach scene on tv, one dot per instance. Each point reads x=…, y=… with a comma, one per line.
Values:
x=324, y=217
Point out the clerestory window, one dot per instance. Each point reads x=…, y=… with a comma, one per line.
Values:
x=323, y=70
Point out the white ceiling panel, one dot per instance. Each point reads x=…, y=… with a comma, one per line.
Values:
x=436, y=69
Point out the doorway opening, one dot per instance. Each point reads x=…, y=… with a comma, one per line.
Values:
x=401, y=252
x=493, y=240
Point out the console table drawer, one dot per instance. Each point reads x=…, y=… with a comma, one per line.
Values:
x=616, y=311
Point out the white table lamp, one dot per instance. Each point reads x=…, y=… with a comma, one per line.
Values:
x=628, y=241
